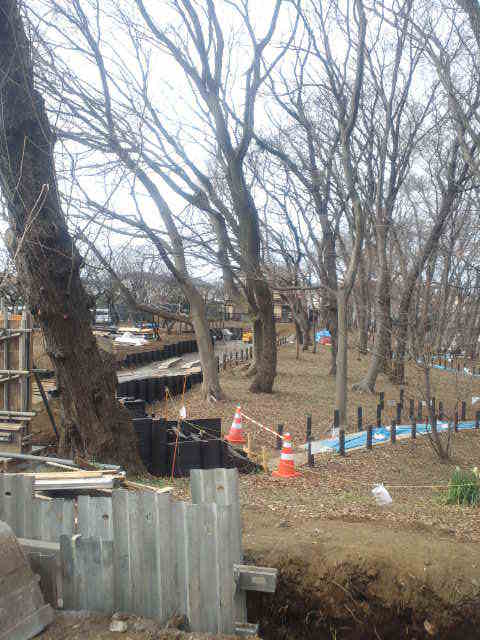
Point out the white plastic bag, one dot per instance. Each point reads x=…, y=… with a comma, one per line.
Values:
x=381, y=495
x=183, y=413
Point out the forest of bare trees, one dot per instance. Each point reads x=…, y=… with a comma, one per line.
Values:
x=328, y=152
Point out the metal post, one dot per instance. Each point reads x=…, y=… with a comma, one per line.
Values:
x=440, y=410
x=477, y=420
x=464, y=410
x=455, y=422
x=402, y=397
x=310, y=458
x=336, y=419
x=359, y=419
x=399, y=413
x=369, y=437
x=393, y=432
x=341, y=442
x=382, y=399
x=414, y=429
x=411, y=411
x=379, y=415
x=279, y=439
x=420, y=411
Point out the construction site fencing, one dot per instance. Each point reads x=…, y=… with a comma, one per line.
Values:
x=143, y=552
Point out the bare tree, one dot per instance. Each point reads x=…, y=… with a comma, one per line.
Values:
x=150, y=151
x=47, y=262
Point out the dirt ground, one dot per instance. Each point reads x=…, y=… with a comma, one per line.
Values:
x=348, y=569
x=83, y=625
x=303, y=387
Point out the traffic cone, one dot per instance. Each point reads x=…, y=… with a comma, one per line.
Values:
x=236, y=431
x=286, y=466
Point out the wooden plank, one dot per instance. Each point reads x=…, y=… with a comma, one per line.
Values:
x=24, y=501
x=221, y=486
x=4, y=312
x=107, y=595
x=251, y=578
x=95, y=571
x=121, y=555
x=9, y=501
x=179, y=515
x=149, y=559
x=226, y=586
x=166, y=540
x=52, y=519
x=146, y=487
x=134, y=517
x=209, y=590
x=95, y=517
x=194, y=548
x=67, y=555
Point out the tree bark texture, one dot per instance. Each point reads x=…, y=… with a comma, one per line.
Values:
x=48, y=263
x=342, y=358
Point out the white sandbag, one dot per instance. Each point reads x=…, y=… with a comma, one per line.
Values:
x=381, y=495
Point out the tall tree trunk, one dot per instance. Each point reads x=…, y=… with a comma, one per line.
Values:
x=48, y=263
x=361, y=296
x=382, y=348
x=211, y=379
x=265, y=340
x=446, y=208
x=342, y=359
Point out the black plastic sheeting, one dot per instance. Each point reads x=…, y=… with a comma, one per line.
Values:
x=151, y=389
x=168, y=351
x=199, y=445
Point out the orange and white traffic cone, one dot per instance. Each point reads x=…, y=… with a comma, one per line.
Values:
x=286, y=466
x=236, y=430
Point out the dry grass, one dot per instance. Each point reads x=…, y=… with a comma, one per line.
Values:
x=303, y=387
x=340, y=488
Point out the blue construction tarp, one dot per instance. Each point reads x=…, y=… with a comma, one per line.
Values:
x=324, y=333
x=379, y=435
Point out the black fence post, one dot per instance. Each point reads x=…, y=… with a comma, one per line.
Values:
x=393, y=432
x=399, y=413
x=419, y=412
x=379, y=415
x=341, y=442
x=402, y=397
x=310, y=458
x=464, y=410
x=434, y=405
x=336, y=419
x=414, y=429
x=382, y=399
x=440, y=410
x=455, y=422
x=359, y=419
x=369, y=437
x=477, y=420
x=218, y=363
x=279, y=439
x=411, y=411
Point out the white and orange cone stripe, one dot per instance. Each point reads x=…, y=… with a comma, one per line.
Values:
x=236, y=430
x=286, y=465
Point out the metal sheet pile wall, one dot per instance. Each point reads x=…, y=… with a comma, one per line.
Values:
x=143, y=552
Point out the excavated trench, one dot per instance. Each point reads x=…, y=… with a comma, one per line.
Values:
x=381, y=585
x=301, y=610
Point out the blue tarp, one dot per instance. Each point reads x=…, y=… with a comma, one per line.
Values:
x=324, y=333
x=451, y=370
x=379, y=434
